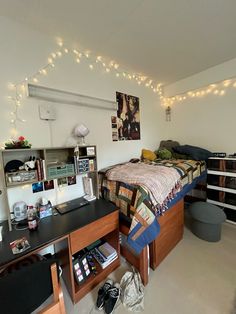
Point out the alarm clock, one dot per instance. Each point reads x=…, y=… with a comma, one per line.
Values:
x=20, y=211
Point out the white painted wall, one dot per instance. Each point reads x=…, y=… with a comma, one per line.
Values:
x=207, y=121
x=22, y=53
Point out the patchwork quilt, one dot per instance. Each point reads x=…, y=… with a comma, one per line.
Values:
x=136, y=200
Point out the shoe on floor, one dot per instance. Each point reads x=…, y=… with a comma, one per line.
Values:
x=102, y=292
x=112, y=298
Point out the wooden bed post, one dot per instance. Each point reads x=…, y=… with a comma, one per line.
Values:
x=140, y=262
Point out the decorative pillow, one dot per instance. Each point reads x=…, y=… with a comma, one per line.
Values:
x=148, y=154
x=169, y=144
x=196, y=153
x=180, y=156
x=164, y=153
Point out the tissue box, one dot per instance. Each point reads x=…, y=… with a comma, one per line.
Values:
x=45, y=210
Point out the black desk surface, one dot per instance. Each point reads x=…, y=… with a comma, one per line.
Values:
x=52, y=228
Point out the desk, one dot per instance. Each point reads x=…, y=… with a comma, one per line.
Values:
x=69, y=233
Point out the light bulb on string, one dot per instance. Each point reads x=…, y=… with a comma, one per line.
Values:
x=156, y=87
x=11, y=86
x=227, y=83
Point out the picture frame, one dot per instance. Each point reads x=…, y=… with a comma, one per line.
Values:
x=71, y=180
x=37, y=187
x=90, y=150
x=48, y=185
x=62, y=182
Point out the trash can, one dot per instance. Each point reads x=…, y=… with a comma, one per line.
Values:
x=206, y=221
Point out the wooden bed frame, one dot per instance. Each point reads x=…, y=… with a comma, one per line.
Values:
x=172, y=226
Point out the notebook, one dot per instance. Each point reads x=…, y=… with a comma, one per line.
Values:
x=71, y=205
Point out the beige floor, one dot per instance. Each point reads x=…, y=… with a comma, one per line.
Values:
x=197, y=277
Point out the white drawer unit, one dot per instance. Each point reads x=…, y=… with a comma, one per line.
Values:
x=221, y=185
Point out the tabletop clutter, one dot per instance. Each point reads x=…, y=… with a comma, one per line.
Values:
x=31, y=214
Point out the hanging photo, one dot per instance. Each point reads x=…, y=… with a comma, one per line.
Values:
x=71, y=180
x=37, y=187
x=115, y=136
x=48, y=185
x=61, y=182
x=128, y=118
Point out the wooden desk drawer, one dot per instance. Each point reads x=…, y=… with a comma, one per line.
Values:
x=94, y=231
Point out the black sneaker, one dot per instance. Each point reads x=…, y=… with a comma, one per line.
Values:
x=112, y=298
x=102, y=292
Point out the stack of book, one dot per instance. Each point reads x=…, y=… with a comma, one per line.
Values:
x=105, y=254
x=40, y=168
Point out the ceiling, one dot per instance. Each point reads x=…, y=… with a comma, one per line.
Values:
x=164, y=39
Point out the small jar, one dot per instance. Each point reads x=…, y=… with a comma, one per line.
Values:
x=32, y=218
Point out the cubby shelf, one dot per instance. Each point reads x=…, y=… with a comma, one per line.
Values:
x=107, y=229
x=51, y=163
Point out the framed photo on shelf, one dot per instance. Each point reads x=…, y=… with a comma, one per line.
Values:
x=90, y=150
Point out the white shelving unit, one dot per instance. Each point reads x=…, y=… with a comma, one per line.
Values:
x=221, y=185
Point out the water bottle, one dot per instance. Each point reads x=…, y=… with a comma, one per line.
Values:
x=32, y=218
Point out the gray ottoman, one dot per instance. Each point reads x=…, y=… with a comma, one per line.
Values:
x=206, y=221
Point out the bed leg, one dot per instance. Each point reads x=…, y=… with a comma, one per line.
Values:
x=140, y=262
x=172, y=227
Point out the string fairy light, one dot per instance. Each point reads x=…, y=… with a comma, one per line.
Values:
x=218, y=88
x=110, y=66
x=78, y=55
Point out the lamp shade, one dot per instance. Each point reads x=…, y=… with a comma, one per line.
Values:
x=81, y=130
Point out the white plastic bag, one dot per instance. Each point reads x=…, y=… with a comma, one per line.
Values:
x=132, y=291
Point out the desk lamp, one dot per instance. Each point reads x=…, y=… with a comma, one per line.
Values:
x=81, y=131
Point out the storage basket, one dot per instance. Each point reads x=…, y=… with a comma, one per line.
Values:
x=61, y=171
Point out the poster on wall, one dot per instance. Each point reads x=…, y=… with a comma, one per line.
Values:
x=48, y=185
x=126, y=126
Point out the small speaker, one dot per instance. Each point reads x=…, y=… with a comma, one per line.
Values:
x=222, y=155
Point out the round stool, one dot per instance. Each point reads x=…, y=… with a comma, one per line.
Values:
x=206, y=221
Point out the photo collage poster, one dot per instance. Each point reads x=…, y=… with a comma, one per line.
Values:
x=126, y=125
x=49, y=185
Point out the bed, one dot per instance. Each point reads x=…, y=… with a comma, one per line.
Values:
x=151, y=214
